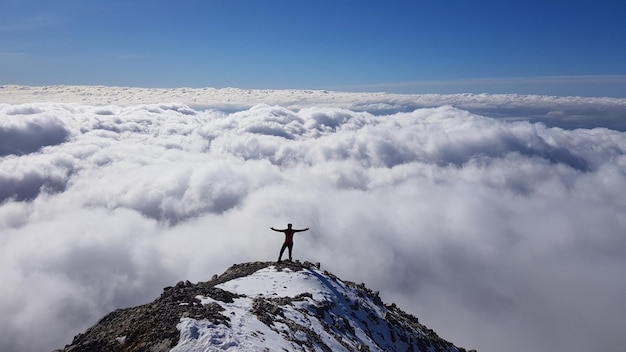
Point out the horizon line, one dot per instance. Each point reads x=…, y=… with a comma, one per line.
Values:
x=545, y=79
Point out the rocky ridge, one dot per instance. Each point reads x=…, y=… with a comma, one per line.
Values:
x=355, y=319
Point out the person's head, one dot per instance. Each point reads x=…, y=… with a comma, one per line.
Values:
x=288, y=226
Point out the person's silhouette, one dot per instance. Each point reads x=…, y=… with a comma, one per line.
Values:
x=289, y=232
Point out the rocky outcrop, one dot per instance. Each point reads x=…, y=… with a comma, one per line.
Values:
x=153, y=326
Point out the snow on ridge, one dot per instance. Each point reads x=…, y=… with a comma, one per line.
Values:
x=269, y=281
x=283, y=309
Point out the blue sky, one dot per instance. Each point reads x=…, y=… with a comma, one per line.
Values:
x=531, y=47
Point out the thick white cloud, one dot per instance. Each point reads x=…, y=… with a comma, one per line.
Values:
x=498, y=234
x=565, y=112
x=24, y=134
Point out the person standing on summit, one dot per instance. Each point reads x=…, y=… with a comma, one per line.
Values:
x=289, y=232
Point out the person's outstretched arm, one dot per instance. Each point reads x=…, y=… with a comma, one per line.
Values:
x=306, y=229
x=276, y=229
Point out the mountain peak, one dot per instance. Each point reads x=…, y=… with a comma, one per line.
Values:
x=263, y=306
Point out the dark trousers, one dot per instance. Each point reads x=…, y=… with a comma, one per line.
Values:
x=282, y=249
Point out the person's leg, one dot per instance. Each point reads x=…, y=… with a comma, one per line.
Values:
x=290, y=246
x=282, y=249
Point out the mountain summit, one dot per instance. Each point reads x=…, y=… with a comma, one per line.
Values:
x=263, y=306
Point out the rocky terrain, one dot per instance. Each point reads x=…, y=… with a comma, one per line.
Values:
x=262, y=306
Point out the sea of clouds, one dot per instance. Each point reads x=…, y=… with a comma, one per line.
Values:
x=501, y=233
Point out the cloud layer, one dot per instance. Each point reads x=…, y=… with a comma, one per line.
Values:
x=565, y=112
x=498, y=234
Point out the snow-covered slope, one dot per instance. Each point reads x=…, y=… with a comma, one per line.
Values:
x=263, y=307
